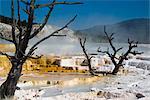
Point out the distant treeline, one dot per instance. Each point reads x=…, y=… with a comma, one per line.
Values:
x=8, y=20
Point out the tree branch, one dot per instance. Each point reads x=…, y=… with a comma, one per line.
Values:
x=30, y=20
x=36, y=57
x=19, y=24
x=13, y=22
x=25, y=2
x=123, y=57
x=59, y=35
x=19, y=20
x=136, y=53
x=6, y=39
x=119, y=49
x=5, y=54
x=44, y=23
x=26, y=11
x=56, y=3
x=65, y=26
x=91, y=57
x=110, y=38
x=82, y=44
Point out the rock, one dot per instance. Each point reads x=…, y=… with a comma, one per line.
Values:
x=18, y=88
x=36, y=95
x=118, y=83
x=48, y=82
x=94, y=89
x=24, y=81
x=100, y=93
x=40, y=90
x=108, y=95
x=139, y=95
x=119, y=88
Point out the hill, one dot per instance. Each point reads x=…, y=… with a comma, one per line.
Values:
x=135, y=29
x=8, y=20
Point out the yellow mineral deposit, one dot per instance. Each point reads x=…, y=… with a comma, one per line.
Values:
x=4, y=65
x=7, y=48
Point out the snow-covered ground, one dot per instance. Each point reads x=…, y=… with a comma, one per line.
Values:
x=132, y=85
x=122, y=87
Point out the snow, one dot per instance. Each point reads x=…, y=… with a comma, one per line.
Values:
x=106, y=68
x=125, y=86
x=120, y=87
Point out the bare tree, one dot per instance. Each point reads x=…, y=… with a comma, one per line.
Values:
x=118, y=61
x=22, y=38
x=88, y=58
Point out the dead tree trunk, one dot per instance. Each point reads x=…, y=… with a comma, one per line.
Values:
x=8, y=88
x=21, y=39
x=118, y=62
x=88, y=58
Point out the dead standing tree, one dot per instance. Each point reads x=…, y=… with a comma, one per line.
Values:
x=88, y=58
x=118, y=62
x=22, y=38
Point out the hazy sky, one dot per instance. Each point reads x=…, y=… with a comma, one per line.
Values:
x=92, y=12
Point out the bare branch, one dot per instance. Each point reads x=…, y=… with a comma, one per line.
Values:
x=105, y=52
x=110, y=38
x=117, y=58
x=136, y=53
x=99, y=49
x=13, y=22
x=82, y=44
x=5, y=54
x=6, y=39
x=112, y=35
x=121, y=58
x=91, y=57
x=119, y=49
x=130, y=42
x=80, y=40
x=26, y=11
x=22, y=41
x=18, y=5
x=25, y=2
x=44, y=23
x=56, y=3
x=65, y=26
x=30, y=21
x=36, y=57
x=59, y=35
x=33, y=48
x=19, y=23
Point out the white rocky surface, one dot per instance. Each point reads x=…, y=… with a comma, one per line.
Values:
x=122, y=87
x=128, y=86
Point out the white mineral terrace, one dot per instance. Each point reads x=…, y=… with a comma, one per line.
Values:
x=133, y=85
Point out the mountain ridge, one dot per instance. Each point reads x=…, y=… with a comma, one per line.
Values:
x=137, y=29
